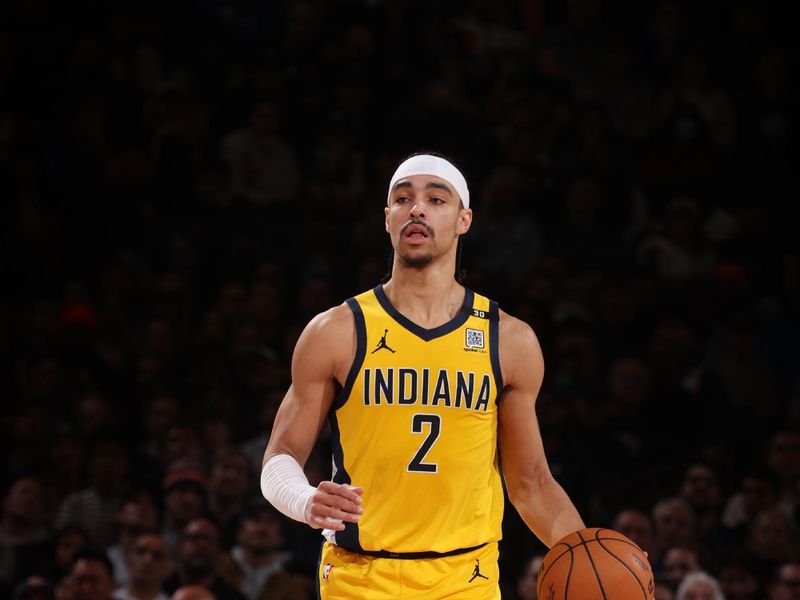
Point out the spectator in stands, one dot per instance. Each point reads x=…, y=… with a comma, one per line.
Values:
x=136, y=515
x=91, y=575
x=193, y=592
x=699, y=586
x=638, y=526
x=257, y=565
x=149, y=566
x=783, y=459
x=263, y=167
x=677, y=563
x=34, y=588
x=674, y=522
x=185, y=492
x=757, y=491
x=700, y=488
x=784, y=583
x=67, y=541
x=23, y=524
x=739, y=577
x=773, y=539
x=199, y=552
x=526, y=582
x=94, y=507
x=230, y=488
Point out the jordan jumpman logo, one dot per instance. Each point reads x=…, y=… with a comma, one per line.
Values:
x=477, y=572
x=382, y=344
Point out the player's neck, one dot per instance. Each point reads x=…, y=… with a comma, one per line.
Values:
x=429, y=297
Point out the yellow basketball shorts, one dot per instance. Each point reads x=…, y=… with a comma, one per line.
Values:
x=344, y=575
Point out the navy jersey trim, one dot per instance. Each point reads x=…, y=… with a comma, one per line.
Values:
x=349, y=537
x=418, y=555
x=494, y=347
x=317, y=584
x=361, y=352
x=427, y=334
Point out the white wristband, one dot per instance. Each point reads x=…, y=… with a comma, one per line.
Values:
x=286, y=487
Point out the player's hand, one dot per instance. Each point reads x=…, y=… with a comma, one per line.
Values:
x=333, y=504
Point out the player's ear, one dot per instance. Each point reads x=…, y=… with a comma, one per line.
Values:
x=464, y=221
x=386, y=218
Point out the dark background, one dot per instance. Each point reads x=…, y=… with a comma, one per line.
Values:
x=185, y=184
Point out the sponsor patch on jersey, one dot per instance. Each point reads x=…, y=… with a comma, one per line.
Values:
x=474, y=338
x=326, y=571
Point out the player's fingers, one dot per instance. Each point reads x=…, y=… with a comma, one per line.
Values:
x=335, y=514
x=327, y=517
x=349, y=492
x=331, y=524
x=319, y=522
x=336, y=501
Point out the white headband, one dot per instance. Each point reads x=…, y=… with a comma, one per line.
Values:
x=427, y=164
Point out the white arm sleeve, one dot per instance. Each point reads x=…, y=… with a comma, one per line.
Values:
x=286, y=487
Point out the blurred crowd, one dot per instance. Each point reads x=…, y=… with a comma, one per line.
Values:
x=186, y=183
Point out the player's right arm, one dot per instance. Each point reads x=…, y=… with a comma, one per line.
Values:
x=320, y=363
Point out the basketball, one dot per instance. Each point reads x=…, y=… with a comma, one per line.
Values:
x=595, y=563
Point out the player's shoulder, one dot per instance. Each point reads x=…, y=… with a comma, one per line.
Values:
x=331, y=323
x=327, y=343
x=514, y=329
x=517, y=339
x=520, y=352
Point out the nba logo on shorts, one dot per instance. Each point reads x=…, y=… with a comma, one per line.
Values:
x=326, y=571
x=474, y=338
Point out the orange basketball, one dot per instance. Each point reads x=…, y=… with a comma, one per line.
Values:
x=595, y=563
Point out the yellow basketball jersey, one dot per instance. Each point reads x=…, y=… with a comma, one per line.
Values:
x=416, y=427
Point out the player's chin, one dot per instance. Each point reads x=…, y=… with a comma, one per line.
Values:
x=416, y=257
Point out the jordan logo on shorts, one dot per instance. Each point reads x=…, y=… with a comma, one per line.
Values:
x=382, y=344
x=477, y=572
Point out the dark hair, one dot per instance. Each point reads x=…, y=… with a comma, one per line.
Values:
x=209, y=518
x=761, y=473
x=72, y=528
x=92, y=554
x=256, y=509
x=105, y=436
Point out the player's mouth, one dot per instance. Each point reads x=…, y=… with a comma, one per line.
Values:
x=416, y=231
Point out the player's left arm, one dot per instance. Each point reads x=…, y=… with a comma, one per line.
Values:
x=538, y=497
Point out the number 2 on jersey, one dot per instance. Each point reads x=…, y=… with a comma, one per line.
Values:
x=418, y=422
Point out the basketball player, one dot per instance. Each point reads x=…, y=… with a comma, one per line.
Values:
x=428, y=388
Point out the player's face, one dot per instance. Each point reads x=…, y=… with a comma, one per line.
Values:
x=424, y=219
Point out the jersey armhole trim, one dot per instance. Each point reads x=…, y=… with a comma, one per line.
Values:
x=494, y=348
x=361, y=352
